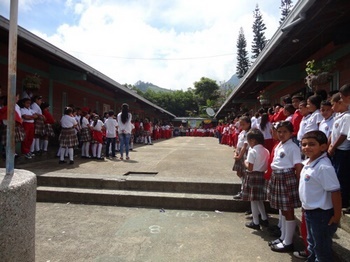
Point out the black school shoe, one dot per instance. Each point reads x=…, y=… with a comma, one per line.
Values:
x=252, y=225
x=283, y=249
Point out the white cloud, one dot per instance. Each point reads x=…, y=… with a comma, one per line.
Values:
x=120, y=38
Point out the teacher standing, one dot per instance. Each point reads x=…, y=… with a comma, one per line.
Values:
x=124, y=130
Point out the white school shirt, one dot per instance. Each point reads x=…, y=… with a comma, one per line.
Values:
x=111, y=127
x=286, y=155
x=242, y=139
x=341, y=126
x=317, y=182
x=259, y=157
x=326, y=126
x=36, y=108
x=313, y=121
x=84, y=122
x=267, y=131
x=68, y=121
x=302, y=126
x=27, y=112
x=18, y=111
x=98, y=126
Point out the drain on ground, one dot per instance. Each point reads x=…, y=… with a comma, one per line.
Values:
x=141, y=174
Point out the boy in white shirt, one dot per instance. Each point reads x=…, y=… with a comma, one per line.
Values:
x=326, y=124
x=111, y=133
x=319, y=192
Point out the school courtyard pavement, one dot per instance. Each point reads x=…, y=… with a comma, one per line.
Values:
x=78, y=232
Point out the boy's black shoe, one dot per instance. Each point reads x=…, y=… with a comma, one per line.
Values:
x=264, y=223
x=62, y=162
x=252, y=225
x=71, y=162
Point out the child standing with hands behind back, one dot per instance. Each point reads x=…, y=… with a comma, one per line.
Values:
x=254, y=182
x=319, y=192
x=241, y=150
x=283, y=185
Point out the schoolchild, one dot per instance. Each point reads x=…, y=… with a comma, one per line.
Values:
x=266, y=129
x=147, y=132
x=326, y=124
x=48, y=122
x=28, y=117
x=283, y=185
x=306, y=115
x=85, y=134
x=97, y=137
x=339, y=146
x=39, y=125
x=241, y=150
x=68, y=137
x=319, y=192
x=288, y=111
x=345, y=93
x=254, y=189
x=111, y=133
x=313, y=105
x=297, y=116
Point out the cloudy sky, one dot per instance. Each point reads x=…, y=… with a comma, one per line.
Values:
x=170, y=43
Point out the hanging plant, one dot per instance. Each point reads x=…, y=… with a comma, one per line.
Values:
x=318, y=74
x=32, y=82
x=263, y=98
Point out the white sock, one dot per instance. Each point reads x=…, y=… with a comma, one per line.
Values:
x=131, y=145
x=83, y=149
x=99, y=150
x=279, y=218
x=110, y=149
x=62, y=151
x=45, y=144
x=59, y=151
x=87, y=148
x=283, y=228
x=66, y=151
x=71, y=153
x=32, y=146
x=255, y=212
x=290, y=228
x=94, y=147
x=150, y=139
x=262, y=211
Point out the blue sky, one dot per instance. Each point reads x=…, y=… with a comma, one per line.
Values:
x=169, y=43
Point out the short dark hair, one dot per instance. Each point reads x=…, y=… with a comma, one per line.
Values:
x=257, y=135
x=319, y=136
x=315, y=100
x=326, y=103
x=245, y=119
x=336, y=98
x=345, y=90
x=289, y=108
x=111, y=113
x=286, y=124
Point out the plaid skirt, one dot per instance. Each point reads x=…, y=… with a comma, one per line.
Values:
x=39, y=126
x=283, y=190
x=254, y=188
x=239, y=166
x=85, y=135
x=19, y=133
x=68, y=137
x=48, y=130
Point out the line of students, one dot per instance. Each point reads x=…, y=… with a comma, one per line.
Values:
x=320, y=183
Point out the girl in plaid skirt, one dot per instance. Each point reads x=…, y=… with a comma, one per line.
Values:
x=49, y=121
x=85, y=135
x=254, y=182
x=241, y=150
x=39, y=125
x=283, y=185
x=68, y=137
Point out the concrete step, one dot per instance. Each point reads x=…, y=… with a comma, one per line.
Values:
x=133, y=198
x=144, y=184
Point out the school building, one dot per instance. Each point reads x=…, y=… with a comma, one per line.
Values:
x=315, y=31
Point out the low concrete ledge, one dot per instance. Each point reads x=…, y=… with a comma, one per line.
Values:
x=17, y=216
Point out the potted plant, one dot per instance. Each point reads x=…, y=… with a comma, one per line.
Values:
x=318, y=74
x=32, y=82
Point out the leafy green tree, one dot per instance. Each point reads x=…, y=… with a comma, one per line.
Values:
x=242, y=55
x=259, y=39
x=206, y=89
x=286, y=7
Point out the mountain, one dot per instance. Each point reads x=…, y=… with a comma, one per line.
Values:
x=144, y=86
x=233, y=81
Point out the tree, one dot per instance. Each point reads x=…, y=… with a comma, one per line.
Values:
x=242, y=55
x=286, y=7
x=259, y=39
x=206, y=90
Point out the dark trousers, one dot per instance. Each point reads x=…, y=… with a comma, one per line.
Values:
x=341, y=164
x=110, y=140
